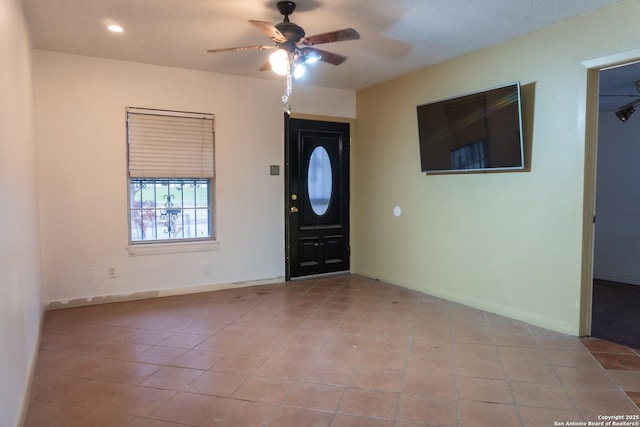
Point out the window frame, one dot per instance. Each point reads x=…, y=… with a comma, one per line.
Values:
x=170, y=245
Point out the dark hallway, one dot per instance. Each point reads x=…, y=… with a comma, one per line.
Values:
x=616, y=312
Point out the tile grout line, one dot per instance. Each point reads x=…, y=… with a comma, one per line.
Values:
x=591, y=353
x=456, y=391
x=504, y=370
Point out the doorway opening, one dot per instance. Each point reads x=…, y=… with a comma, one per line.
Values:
x=611, y=274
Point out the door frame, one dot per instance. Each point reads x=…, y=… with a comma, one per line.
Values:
x=352, y=210
x=593, y=66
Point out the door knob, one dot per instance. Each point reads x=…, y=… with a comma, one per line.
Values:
x=294, y=209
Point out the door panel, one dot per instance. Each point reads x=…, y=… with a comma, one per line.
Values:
x=317, y=186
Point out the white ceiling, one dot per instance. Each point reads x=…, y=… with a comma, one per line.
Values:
x=397, y=36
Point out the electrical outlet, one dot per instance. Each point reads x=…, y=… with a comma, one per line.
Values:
x=111, y=272
x=206, y=268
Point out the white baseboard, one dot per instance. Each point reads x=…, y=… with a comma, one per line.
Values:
x=488, y=306
x=32, y=368
x=104, y=299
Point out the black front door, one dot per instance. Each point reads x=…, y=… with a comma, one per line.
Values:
x=317, y=197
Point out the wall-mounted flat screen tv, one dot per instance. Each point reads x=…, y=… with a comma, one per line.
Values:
x=478, y=132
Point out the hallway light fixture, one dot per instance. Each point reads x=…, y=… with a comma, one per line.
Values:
x=626, y=111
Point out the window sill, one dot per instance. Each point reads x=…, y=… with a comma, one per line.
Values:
x=172, y=248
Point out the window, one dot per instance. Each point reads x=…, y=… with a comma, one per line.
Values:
x=319, y=180
x=171, y=175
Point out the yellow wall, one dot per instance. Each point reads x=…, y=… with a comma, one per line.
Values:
x=509, y=243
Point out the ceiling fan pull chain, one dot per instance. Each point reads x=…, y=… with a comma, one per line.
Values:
x=287, y=93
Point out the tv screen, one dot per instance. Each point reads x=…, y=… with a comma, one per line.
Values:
x=478, y=132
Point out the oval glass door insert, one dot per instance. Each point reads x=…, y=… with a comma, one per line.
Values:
x=319, y=180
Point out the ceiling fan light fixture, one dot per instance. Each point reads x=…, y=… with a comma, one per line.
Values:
x=293, y=48
x=279, y=61
x=311, y=58
x=299, y=70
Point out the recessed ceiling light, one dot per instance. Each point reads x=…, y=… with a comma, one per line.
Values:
x=115, y=28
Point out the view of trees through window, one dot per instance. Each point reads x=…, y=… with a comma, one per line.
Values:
x=169, y=209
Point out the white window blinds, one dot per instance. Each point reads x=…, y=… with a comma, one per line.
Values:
x=170, y=144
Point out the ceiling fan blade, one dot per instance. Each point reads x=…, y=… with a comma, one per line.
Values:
x=270, y=31
x=332, y=36
x=329, y=57
x=233, y=49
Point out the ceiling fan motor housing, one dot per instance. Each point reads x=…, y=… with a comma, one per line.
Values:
x=293, y=32
x=286, y=8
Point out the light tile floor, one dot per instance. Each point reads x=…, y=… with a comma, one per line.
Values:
x=342, y=351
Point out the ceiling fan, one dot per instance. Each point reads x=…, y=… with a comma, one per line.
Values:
x=293, y=48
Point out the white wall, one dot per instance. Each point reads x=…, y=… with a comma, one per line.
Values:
x=617, y=230
x=509, y=243
x=80, y=132
x=20, y=304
